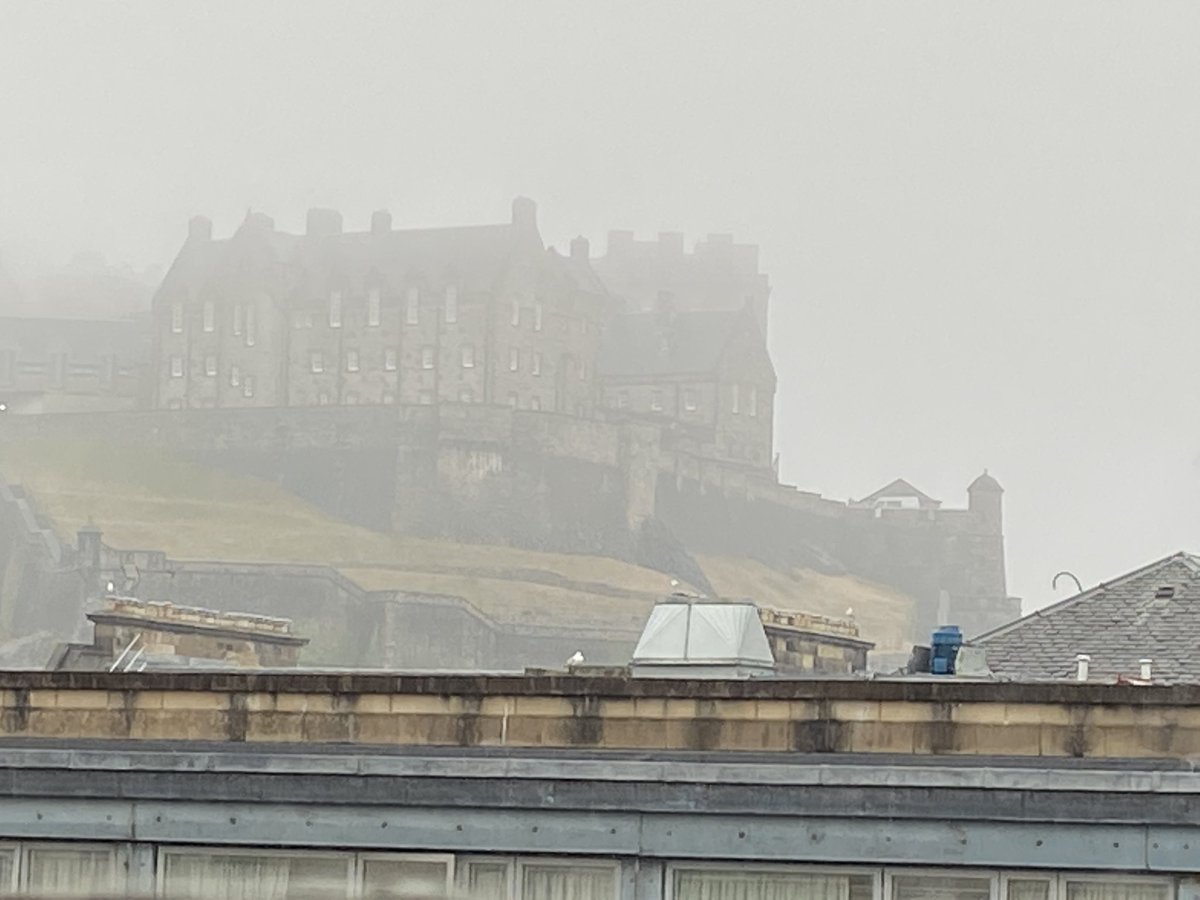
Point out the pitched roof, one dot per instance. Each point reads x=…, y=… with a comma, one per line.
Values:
x=1150, y=613
x=474, y=257
x=902, y=488
x=638, y=345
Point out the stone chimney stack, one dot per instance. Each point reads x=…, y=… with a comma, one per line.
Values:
x=199, y=229
x=581, y=249
x=524, y=213
x=323, y=222
x=381, y=221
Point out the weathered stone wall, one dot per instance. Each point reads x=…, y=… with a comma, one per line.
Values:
x=955, y=718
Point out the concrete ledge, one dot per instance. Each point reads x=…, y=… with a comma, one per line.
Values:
x=922, y=718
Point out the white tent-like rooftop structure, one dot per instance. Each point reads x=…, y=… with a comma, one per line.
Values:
x=689, y=637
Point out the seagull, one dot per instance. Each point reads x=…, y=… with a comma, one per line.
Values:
x=674, y=582
x=576, y=659
x=849, y=612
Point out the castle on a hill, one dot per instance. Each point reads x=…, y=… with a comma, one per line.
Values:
x=471, y=383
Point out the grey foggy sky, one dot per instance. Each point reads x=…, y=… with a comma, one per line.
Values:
x=981, y=221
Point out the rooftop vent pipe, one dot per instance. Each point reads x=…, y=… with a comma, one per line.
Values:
x=1146, y=664
x=1082, y=664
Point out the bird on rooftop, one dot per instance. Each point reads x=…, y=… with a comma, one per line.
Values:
x=575, y=659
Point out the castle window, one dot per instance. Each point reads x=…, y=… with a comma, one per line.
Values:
x=752, y=402
x=514, y=360
x=689, y=400
x=516, y=314
x=425, y=398
x=412, y=307
x=176, y=366
x=468, y=356
x=389, y=359
x=537, y=364
x=248, y=386
x=251, y=325
x=512, y=399
x=351, y=360
x=177, y=318
x=235, y=376
x=737, y=400
x=537, y=317
x=335, y=309
x=451, y=305
x=426, y=357
x=316, y=362
x=466, y=395
x=239, y=313
x=210, y=317
x=535, y=403
x=656, y=400
x=623, y=400
x=373, y=308
x=210, y=366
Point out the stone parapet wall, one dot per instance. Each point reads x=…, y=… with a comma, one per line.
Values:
x=839, y=716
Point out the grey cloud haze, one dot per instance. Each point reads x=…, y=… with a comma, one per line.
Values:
x=980, y=220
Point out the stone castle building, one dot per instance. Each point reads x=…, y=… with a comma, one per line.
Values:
x=471, y=384
x=471, y=315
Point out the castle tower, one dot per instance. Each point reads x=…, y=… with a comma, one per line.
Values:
x=985, y=499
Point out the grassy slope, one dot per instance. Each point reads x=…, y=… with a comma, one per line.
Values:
x=144, y=500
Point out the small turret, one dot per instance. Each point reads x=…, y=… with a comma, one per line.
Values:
x=985, y=499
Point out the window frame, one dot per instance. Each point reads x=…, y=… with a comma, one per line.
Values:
x=353, y=364
x=391, y=359
x=877, y=874
x=450, y=304
x=428, y=358
x=335, y=309
x=178, y=366
x=164, y=851
x=521, y=863
x=412, y=306
x=117, y=853
x=374, y=307
x=208, y=317
x=316, y=362
x=466, y=354
x=177, y=317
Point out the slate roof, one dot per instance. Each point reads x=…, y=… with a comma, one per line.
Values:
x=1151, y=613
x=636, y=345
x=473, y=257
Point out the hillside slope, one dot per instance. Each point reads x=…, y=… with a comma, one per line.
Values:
x=145, y=500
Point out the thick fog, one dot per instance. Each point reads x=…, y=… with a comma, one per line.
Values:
x=981, y=221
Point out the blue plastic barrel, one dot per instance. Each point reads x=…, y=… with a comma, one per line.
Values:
x=944, y=648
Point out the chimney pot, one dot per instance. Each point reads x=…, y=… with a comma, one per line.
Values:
x=381, y=221
x=580, y=248
x=323, y=222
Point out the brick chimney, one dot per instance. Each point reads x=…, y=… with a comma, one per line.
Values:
x=580, y=248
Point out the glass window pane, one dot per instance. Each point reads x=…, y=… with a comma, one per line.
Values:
x=1098, y=889
x=246, y=877
x=940, y=887
x=1028, y=889
x=399, y=877
x=568, y=882
x=8, y=857
x=483, y=880
x=65, y=872
x=747, y=884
